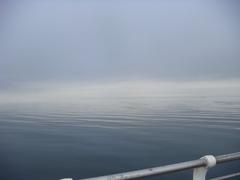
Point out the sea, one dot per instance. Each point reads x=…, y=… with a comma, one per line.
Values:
x=97, y=136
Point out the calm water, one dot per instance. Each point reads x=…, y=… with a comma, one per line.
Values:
x=101, y=136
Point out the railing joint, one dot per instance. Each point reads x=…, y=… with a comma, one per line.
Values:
x=201, y=172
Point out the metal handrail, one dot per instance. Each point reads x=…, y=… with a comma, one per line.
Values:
x=226, y=176
x=228, y=157
x=200, y=167
x=152, y=171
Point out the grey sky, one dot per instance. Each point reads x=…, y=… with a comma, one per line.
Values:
x=62, y=41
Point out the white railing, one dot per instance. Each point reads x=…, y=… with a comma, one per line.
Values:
x=199, y=166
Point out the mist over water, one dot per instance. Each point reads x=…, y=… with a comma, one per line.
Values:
x=90, y=87
x=99, y=135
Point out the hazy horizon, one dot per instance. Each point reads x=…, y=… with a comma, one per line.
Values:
x=57, y=42
x=73, y=92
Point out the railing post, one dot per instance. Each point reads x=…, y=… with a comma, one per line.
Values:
x=200, y=172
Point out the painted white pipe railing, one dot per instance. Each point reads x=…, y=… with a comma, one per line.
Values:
x=199, y=166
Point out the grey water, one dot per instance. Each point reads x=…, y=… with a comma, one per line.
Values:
x=100, y=136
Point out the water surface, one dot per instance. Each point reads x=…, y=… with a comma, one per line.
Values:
x=98, y=136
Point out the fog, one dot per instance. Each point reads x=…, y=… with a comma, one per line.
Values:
x=91, y=42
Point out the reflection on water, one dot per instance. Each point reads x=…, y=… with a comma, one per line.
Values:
x=101, y=136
